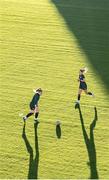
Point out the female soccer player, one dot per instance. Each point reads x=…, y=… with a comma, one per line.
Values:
x=82, y=85
x=34, y=105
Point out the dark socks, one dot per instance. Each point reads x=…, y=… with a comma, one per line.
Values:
x=78, y=97
x=36, y=115
x=29, y=114
x=89, y=93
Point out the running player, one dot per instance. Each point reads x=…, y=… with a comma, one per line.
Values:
x=34, y=105
x=82, y=85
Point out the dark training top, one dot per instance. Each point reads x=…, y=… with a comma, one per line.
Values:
x=34, y=101
x=82, y=85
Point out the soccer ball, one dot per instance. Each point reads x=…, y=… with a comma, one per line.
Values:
x=58, y=122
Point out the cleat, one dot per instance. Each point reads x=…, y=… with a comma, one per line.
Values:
x=24, y=118
x=93, y=95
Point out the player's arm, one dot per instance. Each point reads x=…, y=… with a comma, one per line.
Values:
x=82, y=80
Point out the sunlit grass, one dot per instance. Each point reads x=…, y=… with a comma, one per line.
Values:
x=38, y=50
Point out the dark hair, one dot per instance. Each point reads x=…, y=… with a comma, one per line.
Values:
x=82, y=70
x=39, y=90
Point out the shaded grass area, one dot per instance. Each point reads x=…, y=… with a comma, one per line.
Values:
x=38, y=50
x=88, y=21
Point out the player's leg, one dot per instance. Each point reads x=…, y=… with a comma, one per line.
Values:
x=88, y=93
x=36, y=112
x=28, y=115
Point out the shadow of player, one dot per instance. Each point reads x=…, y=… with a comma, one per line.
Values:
x=33, y=162
x=89, y=141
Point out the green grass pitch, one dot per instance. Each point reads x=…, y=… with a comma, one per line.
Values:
x=43, y=43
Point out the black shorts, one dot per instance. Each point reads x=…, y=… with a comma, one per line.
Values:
x=83, y=86
x=32, y=107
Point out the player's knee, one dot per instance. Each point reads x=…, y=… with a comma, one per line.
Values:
x=36, y=109
x=32, y=111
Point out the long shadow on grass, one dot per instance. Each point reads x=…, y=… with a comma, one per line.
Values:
x=90, y=144
x=33, y=162
x=58, y=131
x=88, y=20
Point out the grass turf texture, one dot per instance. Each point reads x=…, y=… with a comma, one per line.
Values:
x=43, y=44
